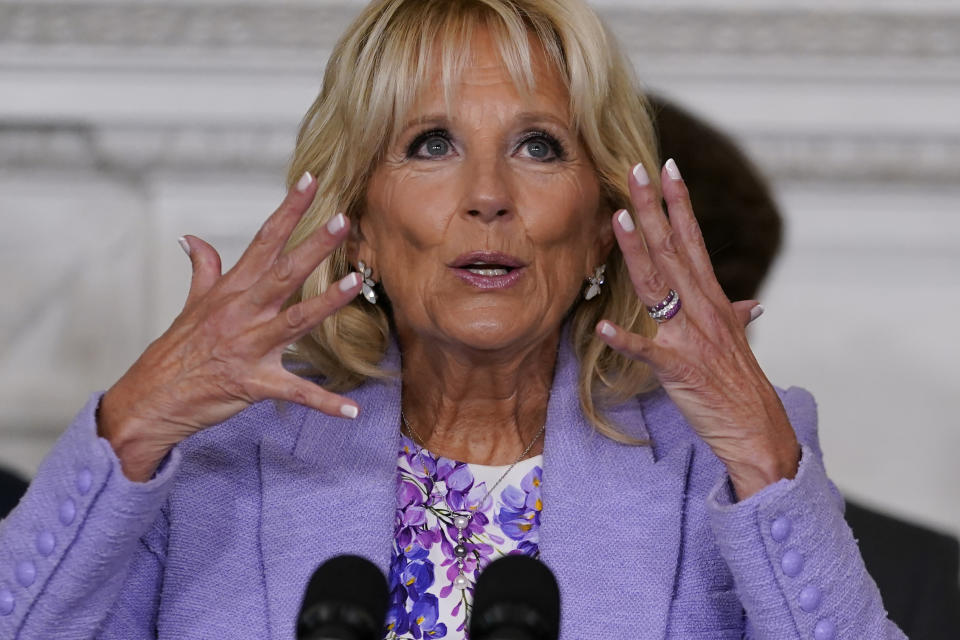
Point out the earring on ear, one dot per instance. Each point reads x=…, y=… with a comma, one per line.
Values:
x=596, y=281
x=368, y=284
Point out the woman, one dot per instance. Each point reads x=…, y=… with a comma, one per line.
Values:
x=520, y=288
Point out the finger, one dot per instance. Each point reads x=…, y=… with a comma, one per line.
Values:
x=287, y=386
x=685, y=225
x=205, y=262
x=273, y=235
x=647, y=281
x=747, y=311
x=290, y=269
x=299, y=319
x=664, y=247
x=632, y=345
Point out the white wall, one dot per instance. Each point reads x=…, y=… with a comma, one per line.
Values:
x=124, y=125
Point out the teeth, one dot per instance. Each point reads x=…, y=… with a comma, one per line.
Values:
x=487, y=272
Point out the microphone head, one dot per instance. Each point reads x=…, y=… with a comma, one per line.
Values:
x=347, y=597
x=516, y=597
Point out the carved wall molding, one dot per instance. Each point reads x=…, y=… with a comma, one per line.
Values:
x=866, y=158
x=775, y=29
x=77, y=147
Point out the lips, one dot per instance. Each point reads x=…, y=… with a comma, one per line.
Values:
x=488, y=269
x=487, y=258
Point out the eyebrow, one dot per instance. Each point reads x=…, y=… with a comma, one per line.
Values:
x=524, y=117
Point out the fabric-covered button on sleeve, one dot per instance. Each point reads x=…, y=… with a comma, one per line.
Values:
x=84, y=481
x=809, y=598
x=825, y=630
x=45, y=543
x=26, y=573
x=792, y=563
x=68, y=511
x=6, y=602
x=780, y=529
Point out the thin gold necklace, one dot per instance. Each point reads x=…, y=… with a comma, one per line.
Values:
x=462, y=520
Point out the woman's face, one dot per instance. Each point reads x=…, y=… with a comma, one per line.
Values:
x=482, y=227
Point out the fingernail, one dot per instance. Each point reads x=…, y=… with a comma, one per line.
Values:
x=349, y=411
x=672, y=170
x=336, y=224
x=756, y=312
x=626, y=222
x=304, y=181
x=607, y=329
x=640, y=175
x=184, y=245
x=349, y=282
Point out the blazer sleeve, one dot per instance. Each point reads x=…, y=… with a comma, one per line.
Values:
x=795, y=563
x=81, y=556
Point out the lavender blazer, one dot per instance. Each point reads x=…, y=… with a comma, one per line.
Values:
x=646, y=542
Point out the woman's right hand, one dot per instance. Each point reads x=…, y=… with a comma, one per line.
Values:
x=222, y=353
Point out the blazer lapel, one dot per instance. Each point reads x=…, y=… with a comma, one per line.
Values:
x=612, y=519
x=333, y=494
x=611, y=525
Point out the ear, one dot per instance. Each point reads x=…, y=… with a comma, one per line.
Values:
x=359, y=247
x=604, y=241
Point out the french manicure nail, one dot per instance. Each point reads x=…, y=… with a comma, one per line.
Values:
x=184, y=245
x=756, y=312
x=304, y=181
x=626, y=222
x=350, y=281
x=349, y=411
x=672, y=170
x=640, y=175
x=336, y=224
x=607, y=329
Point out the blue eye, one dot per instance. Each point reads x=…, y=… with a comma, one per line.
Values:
x=538, y=148
x=543, y=147
x=436, y=146
x=430, y=144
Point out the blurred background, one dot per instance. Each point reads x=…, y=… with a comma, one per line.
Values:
x=125, y=124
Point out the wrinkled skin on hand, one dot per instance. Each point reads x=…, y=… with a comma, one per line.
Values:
x=223, y=351
x=700, y=356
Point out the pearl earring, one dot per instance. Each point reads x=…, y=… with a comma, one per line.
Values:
x=367, y=289
x=596, y=281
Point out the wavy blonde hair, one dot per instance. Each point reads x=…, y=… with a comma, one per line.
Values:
x=375, y=72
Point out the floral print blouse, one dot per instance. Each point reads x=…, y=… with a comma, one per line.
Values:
x=430, y=490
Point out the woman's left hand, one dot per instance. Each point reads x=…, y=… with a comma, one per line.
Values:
x=701, y=355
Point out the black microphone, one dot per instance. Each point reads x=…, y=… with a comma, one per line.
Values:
x=346, y=599
x=516, y=598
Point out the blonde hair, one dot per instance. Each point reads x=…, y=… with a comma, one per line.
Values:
x=372, y=78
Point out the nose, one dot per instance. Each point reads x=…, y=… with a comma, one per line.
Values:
x=487, y=191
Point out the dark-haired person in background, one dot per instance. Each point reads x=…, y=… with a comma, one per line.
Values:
x=12, y=487
x=916, y=568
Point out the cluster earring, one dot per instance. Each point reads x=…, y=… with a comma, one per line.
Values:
x=596, y=281
x=367, y=289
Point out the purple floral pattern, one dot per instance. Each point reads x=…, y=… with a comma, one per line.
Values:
x=430, y=490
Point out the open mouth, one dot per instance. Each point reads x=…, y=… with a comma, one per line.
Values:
x=488, y=269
